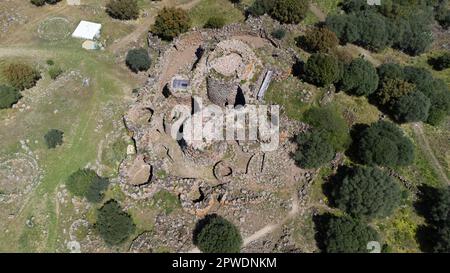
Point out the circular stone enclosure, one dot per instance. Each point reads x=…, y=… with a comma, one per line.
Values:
x=54, y=29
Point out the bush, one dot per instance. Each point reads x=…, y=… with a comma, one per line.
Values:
x=329, y=120
x=289, y=11
x=86, y=183
x=443, y=239
x=384, y=144
x=319, y=40
x=50, y=62
x=138, y=60
x=8, y=96
x=345, y=235
x=55, y=72
x=215, y=22
x=123, y=9
x=322, y=69
x=215, y=234
x=113, y=224
x=52, y=2
x=441, y=62
x=412, y=107
x=392, y=89
x=21, y=76
x=38, y=3
x=170, y=23
x=360, y=78
x=53, y=138
x=366, y=193
x=261, y=7
x=278, y=33
x=314, y=150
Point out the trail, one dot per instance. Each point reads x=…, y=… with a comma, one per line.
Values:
x=426, y=148
x=317, y=12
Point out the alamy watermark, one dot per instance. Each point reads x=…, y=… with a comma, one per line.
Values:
x=200, y=126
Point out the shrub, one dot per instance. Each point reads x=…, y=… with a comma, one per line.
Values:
x=52, y=2
x=123, y=9
x=360, y=78
x=412, y=107
x=113, y=224
x=55, y=72
x=319, y=40
x=439, y=96
x=38, y=3
x=261, y=7
x=8, y=96
x=441, y=62
x=53, y=138
x=86, y=183
x=215, y=234
x=393, y=89
x=215, y=22
x=314, y=150
x=366, y=193
x=384, y=144
x=170, y=23
x=322, y=69
x=21, y=76
x=329, y=120
x=138, y=60
x=279, y=33
x=443, y=239
x=346, y=235
x=50, y=62
x=289, y=11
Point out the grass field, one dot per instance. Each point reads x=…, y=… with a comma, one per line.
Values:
x=215, y=8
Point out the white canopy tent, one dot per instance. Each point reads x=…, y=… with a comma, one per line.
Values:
x=87, y=30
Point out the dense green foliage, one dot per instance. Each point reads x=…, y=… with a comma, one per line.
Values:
x=365, y=192
x=53, y=138
x=360, y=78
x=52, y=2
x=329, y=120
x=215, y=22
x=401, y=24
x=21, y=76
x=55, y=72
x=138, y=60
x=8, y=96
x=289, y=11
x=384, y=144
x=113, y=224
x=443, y=239
x=261, y=7
x=346, y=235
x=86, y=183
x=217, y=235
x=38, y=2
x=319, y=39
x=123, y=9
x=439, y=211
x=440, y=62
x=412, y=94
x=279, y=33
x=170, y=23
x=314, y=150
x=323, y=69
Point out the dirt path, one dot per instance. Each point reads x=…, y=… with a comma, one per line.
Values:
x=426, y=148
x=144, y=26
x=317, y=12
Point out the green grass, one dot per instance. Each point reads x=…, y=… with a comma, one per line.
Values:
x=215, y=8
x=328, y=6
x=166, y=201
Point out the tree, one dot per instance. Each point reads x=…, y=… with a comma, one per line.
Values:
x=346, y=235
x=215, y=234
x=52, y=2
x=439, y=96
x=86, y=183
x=278, y=33
x=113, y=224
x=439, y=211
x=319, y=40
x=8, y=96
x=366, y=192
x=289, y=11
x=21, y=76
x=441, y=62
x=393, y=89
x=314, y=150
x=329, y=120
x=38, y=3
x=215, y=22
x=412, y=107
x=123, y=9
x=261, y=7
x=170, y=23
x=443, y=239
x=384, y=144
x=323, y=69
x=138, y=60
x=360, y=78
x=390, y=71
x=53, y=138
